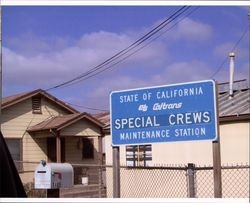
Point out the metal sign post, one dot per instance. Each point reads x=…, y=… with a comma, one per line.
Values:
x=217, y=169
x=217, y=159
x=116, y=172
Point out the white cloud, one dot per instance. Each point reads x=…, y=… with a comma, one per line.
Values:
x=54, y=65
x=28, y=44
x=106, y=44
x=240, y=72
x=64, y=59
x=105, y=40
x=183, y=72
x=30, y=60
x=189, y=29
x=174, y=73
x=117, y=83
x=100, y=94
x=18, y=69
x=222, y=50
x=44, y=69
x=178, y=72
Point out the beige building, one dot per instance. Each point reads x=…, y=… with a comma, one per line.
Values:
x=37, y=126
x=234, y=129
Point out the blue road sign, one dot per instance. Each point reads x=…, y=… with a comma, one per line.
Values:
x=180, y=112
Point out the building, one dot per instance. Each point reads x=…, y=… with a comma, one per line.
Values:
x=37, y=126
x=234, y=126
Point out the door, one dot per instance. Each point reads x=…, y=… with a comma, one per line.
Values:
x=51, y=149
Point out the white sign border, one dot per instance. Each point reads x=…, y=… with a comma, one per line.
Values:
x=216, y=112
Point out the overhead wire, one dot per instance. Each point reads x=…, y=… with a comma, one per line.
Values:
x=126, y=50
x=87, y=107
x=121, y=60
x=224, y=61
x=226, y=58
x=132, y=53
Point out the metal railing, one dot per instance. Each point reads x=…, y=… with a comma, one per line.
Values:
x=179, y=182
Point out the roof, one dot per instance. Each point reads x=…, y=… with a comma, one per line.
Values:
x=12, y=100
x=60, y=122
x=229, y=108
x=103, y=117
x=235, y=108
x=238, y=105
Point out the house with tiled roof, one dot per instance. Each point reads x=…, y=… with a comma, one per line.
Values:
x=38, y=126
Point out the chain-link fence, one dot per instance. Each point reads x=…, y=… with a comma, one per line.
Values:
x=235, y=181
x=148, y=182
x=89, y=181
x=176, y=182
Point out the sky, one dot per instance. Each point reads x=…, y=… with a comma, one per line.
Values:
x=44, y=46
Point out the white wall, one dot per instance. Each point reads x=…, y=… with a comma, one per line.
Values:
x=234, y=139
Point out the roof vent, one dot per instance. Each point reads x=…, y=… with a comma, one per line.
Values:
x=36, y=105
x=231, y=74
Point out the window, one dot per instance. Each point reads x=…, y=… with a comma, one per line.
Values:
x=87, y=148
x=36, y=105
x=15, y=148
x=139, y=155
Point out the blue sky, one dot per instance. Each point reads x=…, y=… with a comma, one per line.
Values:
x=44, y=46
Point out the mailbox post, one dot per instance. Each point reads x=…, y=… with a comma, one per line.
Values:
x=53, y=192
x=53, y=176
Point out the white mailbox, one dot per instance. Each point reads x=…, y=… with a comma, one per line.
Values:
x=54, y=175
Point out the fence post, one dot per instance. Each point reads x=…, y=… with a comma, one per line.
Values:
x=100, y=181
x=191, y=181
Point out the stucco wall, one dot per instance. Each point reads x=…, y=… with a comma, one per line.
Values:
x=234, y=139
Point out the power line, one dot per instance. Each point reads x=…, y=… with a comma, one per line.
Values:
x=110, y=66
x=134, y=45
x=111, y=59
x=87, y=76
x=226, y=58
x=86, y=107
